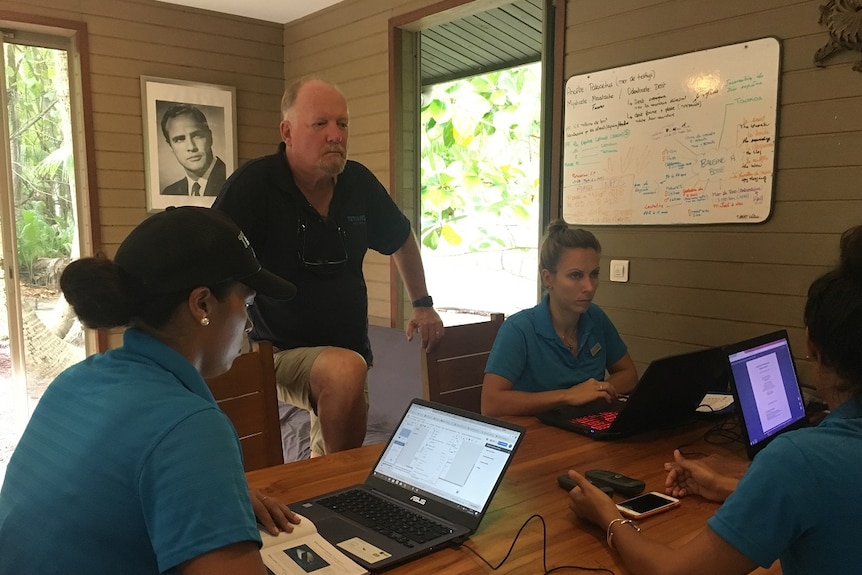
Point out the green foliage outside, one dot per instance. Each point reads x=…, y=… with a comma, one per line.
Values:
x=480, y=161
x=41, y=149
x=40, y=236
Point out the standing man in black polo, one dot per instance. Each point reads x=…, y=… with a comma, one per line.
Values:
x=311, y=215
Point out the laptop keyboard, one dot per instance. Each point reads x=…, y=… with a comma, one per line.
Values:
x=397, y=523
x=597, y=421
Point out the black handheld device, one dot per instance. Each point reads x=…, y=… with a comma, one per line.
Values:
x=568, y=484
x=620, y=483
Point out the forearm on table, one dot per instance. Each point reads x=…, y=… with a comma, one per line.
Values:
x=706, y=553
x=510, y=402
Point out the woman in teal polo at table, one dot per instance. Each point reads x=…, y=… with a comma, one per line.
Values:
x=564, y=351
x=799, y=500
x=128, y=466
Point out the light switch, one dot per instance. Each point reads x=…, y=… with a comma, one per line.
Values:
x=619, y=270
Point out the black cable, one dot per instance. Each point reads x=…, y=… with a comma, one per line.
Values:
x=545, y=569
x=723, y=433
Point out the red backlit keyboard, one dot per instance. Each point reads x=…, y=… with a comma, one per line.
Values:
x=597, y=421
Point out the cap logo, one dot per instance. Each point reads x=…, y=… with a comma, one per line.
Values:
x=241, y=237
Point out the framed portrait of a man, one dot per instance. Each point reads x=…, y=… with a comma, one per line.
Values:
x=189, y=141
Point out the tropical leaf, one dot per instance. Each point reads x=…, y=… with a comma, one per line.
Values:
x=450, y=235
x=479, y=159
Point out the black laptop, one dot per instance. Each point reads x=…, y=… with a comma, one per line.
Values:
x=668, y=393
x=765, y=389
x=436, y=476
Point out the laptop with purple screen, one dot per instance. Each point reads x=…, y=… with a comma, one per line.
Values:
x=765, y=389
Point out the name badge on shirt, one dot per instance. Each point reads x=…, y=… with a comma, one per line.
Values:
x=595, y=349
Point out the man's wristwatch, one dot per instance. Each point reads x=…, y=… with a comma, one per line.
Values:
x=424, y=301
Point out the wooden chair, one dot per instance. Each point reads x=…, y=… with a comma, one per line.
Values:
x=452, y=374
x=247, y=394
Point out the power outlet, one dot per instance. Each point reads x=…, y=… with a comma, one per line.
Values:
x=619, y=270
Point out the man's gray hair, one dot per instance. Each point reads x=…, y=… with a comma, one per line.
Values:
x=288, y=100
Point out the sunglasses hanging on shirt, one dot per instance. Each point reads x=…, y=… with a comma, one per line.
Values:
x=320, y=243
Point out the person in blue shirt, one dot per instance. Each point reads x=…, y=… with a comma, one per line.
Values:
x=799, y=501
x=127, y=464
x=564, y=351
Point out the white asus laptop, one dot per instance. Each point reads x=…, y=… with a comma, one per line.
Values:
x=430, y=488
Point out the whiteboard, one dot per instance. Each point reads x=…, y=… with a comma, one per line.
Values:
x=683, y=140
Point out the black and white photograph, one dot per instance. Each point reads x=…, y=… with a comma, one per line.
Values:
x=189, y=141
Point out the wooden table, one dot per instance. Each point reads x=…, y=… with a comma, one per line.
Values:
x=530, y=487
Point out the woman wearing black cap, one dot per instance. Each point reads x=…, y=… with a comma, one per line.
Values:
x=128, y=465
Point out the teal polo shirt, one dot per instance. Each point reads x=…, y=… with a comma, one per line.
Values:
x=127, y=466
x=530, y=354
x=800, y=500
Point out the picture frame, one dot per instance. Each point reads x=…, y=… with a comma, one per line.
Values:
x=173, y=168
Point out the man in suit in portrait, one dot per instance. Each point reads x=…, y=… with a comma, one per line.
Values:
x=187, y=132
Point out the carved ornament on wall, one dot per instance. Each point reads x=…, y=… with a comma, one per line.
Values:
x=843, y=20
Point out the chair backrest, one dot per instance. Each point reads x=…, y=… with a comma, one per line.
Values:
x=247, y=394
x=452, y=374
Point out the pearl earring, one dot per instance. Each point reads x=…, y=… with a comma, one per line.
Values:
x=205, y=321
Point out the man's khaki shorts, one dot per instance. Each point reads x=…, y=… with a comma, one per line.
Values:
x=293, y=377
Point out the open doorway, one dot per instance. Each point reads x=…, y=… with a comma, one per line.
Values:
x=40, y=219
x=470, y=167
x=480, y=168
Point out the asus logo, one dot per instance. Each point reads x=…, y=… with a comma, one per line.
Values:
x=417, y=499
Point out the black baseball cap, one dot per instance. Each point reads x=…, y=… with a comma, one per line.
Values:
x=188, y=247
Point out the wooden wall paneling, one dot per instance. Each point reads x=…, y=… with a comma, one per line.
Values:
x=820, y=150
x=363, y=35
x=799, y=51
x=356, y=69
x=119, y=141
x=116, y=105
x=818, y=84
x=113, y=234
x=695, y=22
x=252, y=111
x=118, y=197
x=246, y=40
x=678, y=333
x=192, y=20
x=108, y=122
x=370, y=133
x=367, y=105
x=822, y=117
x=65, y=10
x=744, y=307
x=615, y=49
x=118, y=160
x=339, y=17
x=366, y=87
x=732, y=244
x=809, y=216
x=581, y=11
x=828, y=183
x=767, y=278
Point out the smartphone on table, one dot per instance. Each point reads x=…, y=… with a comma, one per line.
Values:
x=646, y=505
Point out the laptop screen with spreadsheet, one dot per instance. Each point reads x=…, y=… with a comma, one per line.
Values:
x=446, y=456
